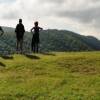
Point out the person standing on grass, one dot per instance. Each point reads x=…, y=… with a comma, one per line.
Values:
x=1, y=30
x=35, y=39
x=20, y=30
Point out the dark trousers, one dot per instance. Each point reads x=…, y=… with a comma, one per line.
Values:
x=34, y=46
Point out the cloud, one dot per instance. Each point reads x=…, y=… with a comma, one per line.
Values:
x=52, y=1
x=81, y=16
x=7, y=1
x=85, y=16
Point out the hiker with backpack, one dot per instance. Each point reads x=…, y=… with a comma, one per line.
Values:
x=35, y=39
x=20, y=30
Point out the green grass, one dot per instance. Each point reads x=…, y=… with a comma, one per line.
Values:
x=53, y=76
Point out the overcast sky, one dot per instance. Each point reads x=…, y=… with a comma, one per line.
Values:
x=82, y=16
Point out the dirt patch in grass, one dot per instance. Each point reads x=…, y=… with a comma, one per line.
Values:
x=80, y=65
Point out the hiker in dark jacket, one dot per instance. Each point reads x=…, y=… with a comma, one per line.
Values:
x=20, y=30
x=35, y=39
x=1, y=30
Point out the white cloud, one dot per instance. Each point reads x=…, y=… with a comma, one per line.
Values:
x=81, y=16
x=7, y=1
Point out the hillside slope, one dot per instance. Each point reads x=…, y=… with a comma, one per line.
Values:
x=50, y=76
x=51, y=40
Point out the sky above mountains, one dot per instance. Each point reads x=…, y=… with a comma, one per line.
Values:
x=82, y=16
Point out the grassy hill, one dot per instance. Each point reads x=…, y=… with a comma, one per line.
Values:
x=51, y=40
x=50, y=76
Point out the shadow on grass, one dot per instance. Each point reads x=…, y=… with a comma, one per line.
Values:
x=7, y=57
x=32, y=56
x=3, y=65
x=48, y=53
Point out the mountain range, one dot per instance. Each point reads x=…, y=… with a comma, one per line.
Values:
x=50, y=40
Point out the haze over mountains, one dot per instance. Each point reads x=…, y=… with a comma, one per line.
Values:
x=51, y=40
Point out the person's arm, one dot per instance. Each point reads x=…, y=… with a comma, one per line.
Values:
x=23, y=28
x=32, y=30
x=40, y=28
x=1, y=31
